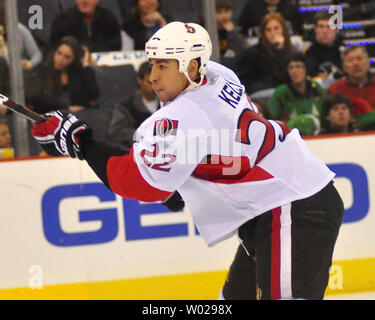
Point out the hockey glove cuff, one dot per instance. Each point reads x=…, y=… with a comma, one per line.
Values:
x=61, y=134
x=174, y=202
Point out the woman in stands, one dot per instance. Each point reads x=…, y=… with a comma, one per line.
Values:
x=262, y=66
x=62, y=80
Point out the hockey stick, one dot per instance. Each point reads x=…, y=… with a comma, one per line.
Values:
x=21, y=110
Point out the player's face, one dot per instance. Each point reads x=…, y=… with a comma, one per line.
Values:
x=5, y=137
x=167, y=81
x=339, y=116
x=87, y=7
x=63, y=57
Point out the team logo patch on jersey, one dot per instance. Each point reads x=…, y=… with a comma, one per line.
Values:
x=165, y=127
x=189, y=29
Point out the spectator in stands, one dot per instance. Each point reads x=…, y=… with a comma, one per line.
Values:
x=6, y=149
x=61, y=82
x=31, y=55
x=299, y=96
x=4, y=82
x=337, y=115
x=254, y=11
x=324, y=52
x=146, y=18
x=231, y=41
x=358, y=82
x=125, y=8
x=128, y=115
x=5, y=136
x=262, y=66
x=88, y=60
x=93, y=26
x=358, y=85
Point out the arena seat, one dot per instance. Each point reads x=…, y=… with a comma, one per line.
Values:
x=116, y=83
x=98, y=120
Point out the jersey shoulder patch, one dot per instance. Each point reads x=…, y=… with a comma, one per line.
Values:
x=165, y=127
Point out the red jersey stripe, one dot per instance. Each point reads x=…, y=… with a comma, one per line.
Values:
x=228, y=170
x=275, y=254
x=125, y=179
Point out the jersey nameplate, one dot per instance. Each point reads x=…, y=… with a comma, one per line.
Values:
x=231, y=93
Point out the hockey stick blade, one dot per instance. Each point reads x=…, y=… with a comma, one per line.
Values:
x=21, y=110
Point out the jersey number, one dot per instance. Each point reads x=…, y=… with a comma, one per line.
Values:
x=244, y=121
x=169, y=159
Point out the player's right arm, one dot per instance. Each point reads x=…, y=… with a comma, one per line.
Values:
x=118, y=170
x=168, y=148
x=64, y=134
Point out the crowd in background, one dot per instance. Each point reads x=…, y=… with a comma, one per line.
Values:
x=296, y=66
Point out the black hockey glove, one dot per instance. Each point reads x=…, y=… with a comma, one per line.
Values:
x=174, y=202
x=60, y=134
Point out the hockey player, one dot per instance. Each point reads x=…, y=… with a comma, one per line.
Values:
x=236, y=171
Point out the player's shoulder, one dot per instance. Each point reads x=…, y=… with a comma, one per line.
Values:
x=215, y=68
x=183, y=106
x=182, y=113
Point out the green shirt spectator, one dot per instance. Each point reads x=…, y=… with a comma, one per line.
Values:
x=286, y=102
x=299, y=96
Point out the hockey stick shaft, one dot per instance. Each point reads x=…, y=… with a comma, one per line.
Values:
x=21, y=110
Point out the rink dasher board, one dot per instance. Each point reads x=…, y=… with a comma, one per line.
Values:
x=146, y=248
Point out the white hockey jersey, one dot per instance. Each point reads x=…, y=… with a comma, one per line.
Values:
x=228, y=163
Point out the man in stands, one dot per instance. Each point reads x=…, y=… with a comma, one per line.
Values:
x=324, y=52
x=358, y=85
x=129, y=114
x=93, y=25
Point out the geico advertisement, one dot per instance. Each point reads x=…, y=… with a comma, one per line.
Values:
x=56, y=215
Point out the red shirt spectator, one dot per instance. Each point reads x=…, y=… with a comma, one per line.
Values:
x=358, y=85
x=355, y=93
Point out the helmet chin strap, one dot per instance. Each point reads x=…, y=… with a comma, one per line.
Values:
x=193, y=84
